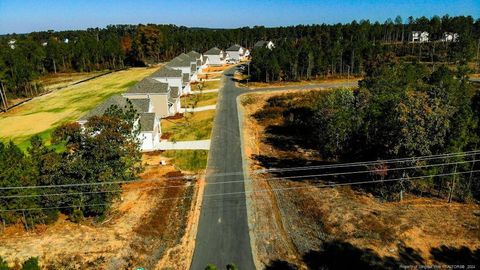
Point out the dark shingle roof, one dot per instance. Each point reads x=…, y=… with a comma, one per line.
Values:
x=143, y=104
x=174, y=94
x=193, y=68
x=186, y=78
x=194, y=54
x=167, y=72
x=199, y=62
x=116, y=100
x=234, y=48
x=260, y=43
x=213, y=51
x=149, y=86
x=147, y=121
x=179, y=62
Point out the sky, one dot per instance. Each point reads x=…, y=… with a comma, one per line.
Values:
x=23, y=16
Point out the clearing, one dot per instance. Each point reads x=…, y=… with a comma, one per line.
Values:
x=41, y=115
x=320, y=228
x=151, y=226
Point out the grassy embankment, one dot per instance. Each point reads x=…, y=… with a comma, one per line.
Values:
x=42, y=115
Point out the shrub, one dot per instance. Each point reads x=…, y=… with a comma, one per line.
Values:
x=31, y=264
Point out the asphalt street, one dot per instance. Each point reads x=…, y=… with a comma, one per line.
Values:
x=223, y=235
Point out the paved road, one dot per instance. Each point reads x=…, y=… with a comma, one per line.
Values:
x=223, y=235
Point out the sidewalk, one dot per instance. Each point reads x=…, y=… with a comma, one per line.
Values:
x=204, y=91
x=198, y=109
x=184, y=145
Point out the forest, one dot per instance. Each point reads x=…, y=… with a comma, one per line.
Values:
x=80, y=176
x=400, y=110
x=303, y=51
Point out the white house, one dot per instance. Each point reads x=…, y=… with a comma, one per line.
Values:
x=237, y=53
x=264, y=44
x=147, y=122
x=216, y=57
x=199, y=60
x=186, y=65
x=173, y=77
x=419, y=36
x=450, y=37
x=165, y=98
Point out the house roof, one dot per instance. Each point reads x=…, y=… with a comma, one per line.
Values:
x=147, y=121
x=213, y=51
x=167, y=72
x=143, y=104
x=186, y=78
x=194, y=54
x=148, y=85
x=116, y=100
x=179, y=62
x=234, y=48
x=260, y=43
x=174, y=94
x=193, y=68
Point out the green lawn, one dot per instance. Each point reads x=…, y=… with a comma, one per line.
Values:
x=211, y=85
x=193, y=126
x=204, y=99
x=41, y=115
x=188, y=160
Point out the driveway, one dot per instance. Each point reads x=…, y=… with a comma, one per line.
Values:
x=223, y=232
x=184, y=145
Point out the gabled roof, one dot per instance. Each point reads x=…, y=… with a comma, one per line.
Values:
x=179, y=62
x=260, y=43
x=167, y=72
x=149, y=86
x=193, y=68
x=186, y=78
x=234, y=48
x=143, y=104
x=116, y=100
x=213, y=51
x=147, y=121
x=194, y=54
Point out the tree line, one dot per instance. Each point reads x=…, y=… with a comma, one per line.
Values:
x=400, y=110
x=81, y=179
x=344, y=49
x=309, y=50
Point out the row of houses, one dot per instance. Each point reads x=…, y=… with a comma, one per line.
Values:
x=423, y=37
x=158, y=96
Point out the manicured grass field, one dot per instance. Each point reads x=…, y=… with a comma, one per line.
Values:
x=193, y=126
x=41, y=115
x=202, y=99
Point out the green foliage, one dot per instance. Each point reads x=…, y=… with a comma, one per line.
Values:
x=31, y=264
x=3, y=264
x=105, y=150
x=189, y=160
x=211, y=267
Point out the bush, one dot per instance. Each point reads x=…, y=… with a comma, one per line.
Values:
x=31, y=264
x=211, y=267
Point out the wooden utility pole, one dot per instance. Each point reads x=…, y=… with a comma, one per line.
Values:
x=452, y=186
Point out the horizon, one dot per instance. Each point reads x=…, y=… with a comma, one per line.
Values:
x=36, y=16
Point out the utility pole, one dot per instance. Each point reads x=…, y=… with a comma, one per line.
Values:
x=452, y=187
x=478, y=47
x=248, y=76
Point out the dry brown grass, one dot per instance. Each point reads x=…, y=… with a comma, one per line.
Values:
x=139, y=231
x=255, y=85
x=299, y=220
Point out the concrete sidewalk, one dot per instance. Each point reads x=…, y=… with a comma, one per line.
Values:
x=184, y=145
x=204, y=91
x=199, y=109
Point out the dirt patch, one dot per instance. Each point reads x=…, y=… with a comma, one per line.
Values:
x=151, y=217
x=306, y=226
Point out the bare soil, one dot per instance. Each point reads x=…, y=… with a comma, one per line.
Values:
x=152, y=222
x=301, y=225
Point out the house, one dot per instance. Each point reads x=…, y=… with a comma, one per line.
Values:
x=186, y=65
x=11, y=43
x=237, y=53
x=165, y=98
x=264, y=44
x=216, y=57
x=199, y=59
x=173, y=77
x=449, y=37
x=147, y=122
x=419, y=36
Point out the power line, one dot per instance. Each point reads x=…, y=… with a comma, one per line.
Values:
x=260, y=190
x=237, y=181
x=332, y=166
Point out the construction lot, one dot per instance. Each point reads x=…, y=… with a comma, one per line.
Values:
x=295, y=224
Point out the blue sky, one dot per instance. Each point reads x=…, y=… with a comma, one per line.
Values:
x=21, y=16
